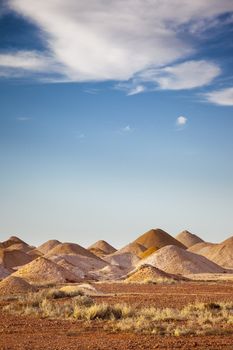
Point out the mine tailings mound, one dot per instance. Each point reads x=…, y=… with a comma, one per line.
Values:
x=70, y=248
x=13, y=258
x=15, y=285
x=188, y=239
x=175, y=260
x=147, y=272
x=101, y=247
x=43, y=270
x=134, y=248
x=221, y=254
x=47, y=246
x=158, y=238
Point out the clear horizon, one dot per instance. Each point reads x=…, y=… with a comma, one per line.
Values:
x=115, y=119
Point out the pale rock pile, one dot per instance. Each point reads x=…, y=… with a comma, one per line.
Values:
x=43, y=270
x=188, y=239
x=124, y=260
x=221, y=254
x=80, y=265
x=147, y=272
x=110, y=272
x=175, y=260
x=201, y=248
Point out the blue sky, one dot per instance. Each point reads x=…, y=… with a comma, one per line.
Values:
x=115, y=118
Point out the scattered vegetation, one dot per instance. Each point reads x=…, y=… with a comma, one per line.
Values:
x=197, y=318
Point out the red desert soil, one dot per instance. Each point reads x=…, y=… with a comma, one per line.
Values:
x=29, y=333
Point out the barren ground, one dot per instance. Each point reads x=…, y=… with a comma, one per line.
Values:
x=29, y=333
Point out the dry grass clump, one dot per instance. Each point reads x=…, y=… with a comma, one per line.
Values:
x=160, y=280
x=197, y=318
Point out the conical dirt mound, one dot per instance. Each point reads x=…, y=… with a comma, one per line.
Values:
x=188, y=239
x=147, y=272
x=101, y=247
x=123, y=260
x=134, y=248
x=175, y=260
x=23, y=247
x=15, y=285
x=47, y=246
x=201, y=248
x=13, y=258
x=158, y=238
x=70, y=248
x=221, y=254
x=12, y=240
x=43, y=270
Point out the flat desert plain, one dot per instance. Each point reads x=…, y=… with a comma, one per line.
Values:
x=157, y=292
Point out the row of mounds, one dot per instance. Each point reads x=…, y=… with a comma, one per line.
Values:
x=57, y=262
x=220, y=253
x=13, y=253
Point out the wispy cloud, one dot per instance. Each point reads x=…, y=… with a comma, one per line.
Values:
x=186, y=75
x=89, y=41
x=92, y=91
x=136, y=90
x=223, y=97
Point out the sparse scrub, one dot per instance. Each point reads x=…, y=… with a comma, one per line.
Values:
x=159, y=281
x=196, y=318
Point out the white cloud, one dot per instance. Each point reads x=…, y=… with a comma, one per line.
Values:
x=223, y=97
x=181, y=120
x=115, y=40
x=186, y=75
x=28, y=60
x=136, y=90
x=23, y=63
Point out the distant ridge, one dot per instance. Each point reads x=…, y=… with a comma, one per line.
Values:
x=157, y=238
x=188, y=239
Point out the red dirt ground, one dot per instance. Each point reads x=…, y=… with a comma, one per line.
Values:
x=29, y=333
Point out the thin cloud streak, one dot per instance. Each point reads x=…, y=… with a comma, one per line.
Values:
x=223, y=97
